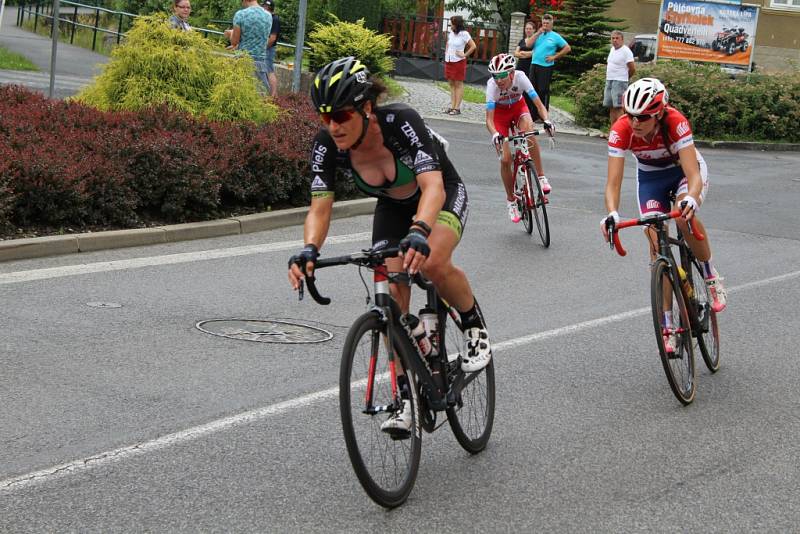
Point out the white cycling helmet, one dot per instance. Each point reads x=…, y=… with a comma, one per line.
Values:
x=502, y=63
x=647, y=96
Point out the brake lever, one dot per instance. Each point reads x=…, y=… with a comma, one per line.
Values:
x=300, y=290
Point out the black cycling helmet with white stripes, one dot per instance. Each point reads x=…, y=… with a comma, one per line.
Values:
x=340, y=84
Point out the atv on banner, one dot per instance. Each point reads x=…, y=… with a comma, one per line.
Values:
x=730, y=40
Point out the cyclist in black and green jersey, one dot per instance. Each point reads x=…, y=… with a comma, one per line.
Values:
x=422, y=203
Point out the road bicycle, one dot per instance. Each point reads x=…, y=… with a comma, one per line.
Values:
x=678, y=288
x=379, y=347
x=531, y=201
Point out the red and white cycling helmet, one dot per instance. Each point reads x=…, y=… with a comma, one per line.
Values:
x=502, y=63
x=647, y=96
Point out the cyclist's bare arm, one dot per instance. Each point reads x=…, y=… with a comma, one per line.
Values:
x=318, y=221
x=688, y=159
x=490, y=121
x=541, y=109
x=616, y=168
x=315, y=231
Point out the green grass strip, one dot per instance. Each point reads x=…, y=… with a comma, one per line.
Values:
x=12, y=61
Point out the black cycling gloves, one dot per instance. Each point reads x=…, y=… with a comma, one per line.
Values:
x=417, y=241
x=310, y=253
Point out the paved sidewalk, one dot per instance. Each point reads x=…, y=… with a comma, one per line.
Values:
x=75, y=66
x=431, y=101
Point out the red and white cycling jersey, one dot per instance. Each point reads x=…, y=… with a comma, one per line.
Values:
x=652, y=155
x=508, y=97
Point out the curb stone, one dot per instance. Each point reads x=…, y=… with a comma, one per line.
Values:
x=749, y=145
x=39, y=247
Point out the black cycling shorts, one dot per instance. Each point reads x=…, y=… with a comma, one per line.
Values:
x=393, y=218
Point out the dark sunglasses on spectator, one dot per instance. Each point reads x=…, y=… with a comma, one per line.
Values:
x=640, y=118
x=500, y=75
x=339, y=117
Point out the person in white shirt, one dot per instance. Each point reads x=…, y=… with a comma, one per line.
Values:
x=459, y=46
x=619, y=70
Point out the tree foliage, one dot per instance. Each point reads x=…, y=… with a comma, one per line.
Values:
x=354, y=10
x=586, y=27
x=339, y=39
x=491, y=11
x=157, y=65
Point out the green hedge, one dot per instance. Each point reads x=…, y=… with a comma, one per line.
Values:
x=755, y=107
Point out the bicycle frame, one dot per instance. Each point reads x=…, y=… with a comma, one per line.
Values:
x=520, y=150
x=665, y=244
x=439, y=396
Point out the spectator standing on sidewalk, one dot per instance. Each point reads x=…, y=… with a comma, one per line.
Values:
x=180, y=15
x=251, y=29
x=548, y=46
x=274, y=35
x=459, y=46
x=523, y=54
x=620, y=68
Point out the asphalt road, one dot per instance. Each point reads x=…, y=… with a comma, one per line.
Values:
x=130, y=419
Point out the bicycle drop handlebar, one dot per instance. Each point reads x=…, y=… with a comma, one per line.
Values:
x=523, y=135
x=365, y=258
x=613, y=238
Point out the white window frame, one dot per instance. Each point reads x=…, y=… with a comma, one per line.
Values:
x=785, y=4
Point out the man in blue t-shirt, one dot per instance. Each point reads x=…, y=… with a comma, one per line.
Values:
x=274, y=35
x=251, y=28
x=548, y=46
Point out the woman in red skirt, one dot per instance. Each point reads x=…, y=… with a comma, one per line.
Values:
x=459, y=46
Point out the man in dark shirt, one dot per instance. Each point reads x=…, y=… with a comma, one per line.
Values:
x=274, y=35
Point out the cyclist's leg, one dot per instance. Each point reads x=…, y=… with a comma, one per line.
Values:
x=390, y=224
x=526, y=125
x=506, y=172
x=451, y=282
x=700, y=249
x=653, y=194
x=502, y=124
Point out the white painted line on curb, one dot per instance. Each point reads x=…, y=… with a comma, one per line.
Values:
x=170, y=259
x=108, y=457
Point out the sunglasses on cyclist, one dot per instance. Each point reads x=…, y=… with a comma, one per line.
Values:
x=339, y=117
x=500, y=75
x=640, y=118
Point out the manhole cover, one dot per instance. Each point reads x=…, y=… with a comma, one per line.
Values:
x=264, y=331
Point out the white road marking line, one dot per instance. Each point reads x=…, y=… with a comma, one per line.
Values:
x=108, y=457
x=169, y=259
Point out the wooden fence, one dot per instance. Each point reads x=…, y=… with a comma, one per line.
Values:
x=426, y=37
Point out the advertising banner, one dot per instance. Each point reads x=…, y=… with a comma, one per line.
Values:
x=707, y=31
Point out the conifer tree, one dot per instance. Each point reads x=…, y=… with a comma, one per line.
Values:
x=586, y=27
x=354, y=10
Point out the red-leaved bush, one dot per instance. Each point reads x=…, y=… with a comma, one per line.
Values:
x=63, y=164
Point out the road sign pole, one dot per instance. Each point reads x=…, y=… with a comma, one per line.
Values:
x=55, y=47
x=299, y=42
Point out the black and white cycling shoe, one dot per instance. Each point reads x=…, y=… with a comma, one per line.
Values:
x=399, y=423
x=478, y=353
